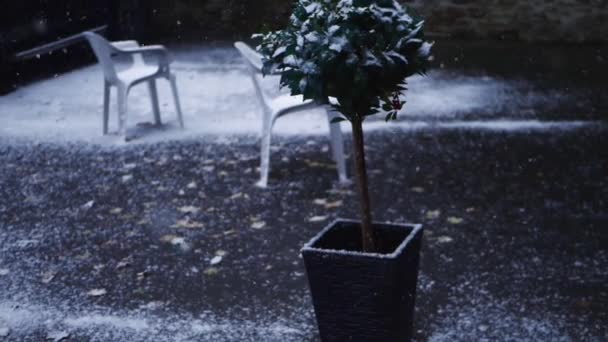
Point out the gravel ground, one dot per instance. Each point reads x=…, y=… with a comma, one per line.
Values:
x=167, y=239
x=171, y=242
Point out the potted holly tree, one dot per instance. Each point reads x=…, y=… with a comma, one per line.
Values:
x=356, y=55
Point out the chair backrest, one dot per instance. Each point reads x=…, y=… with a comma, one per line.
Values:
x=103, y=51
x=253, y=58
x=254, y=61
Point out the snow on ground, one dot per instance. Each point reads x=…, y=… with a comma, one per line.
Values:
x=483, y=317
x=148, y=323
x=218, y=99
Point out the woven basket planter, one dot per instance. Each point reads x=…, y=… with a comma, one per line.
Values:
x=364, y=296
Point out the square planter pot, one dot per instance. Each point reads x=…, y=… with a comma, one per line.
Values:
x=364, y=296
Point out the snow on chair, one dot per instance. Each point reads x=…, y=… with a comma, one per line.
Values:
x=275, y=108
x=137, y=73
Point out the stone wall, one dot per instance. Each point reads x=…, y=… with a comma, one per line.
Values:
x=528, y=20
x=215, y=19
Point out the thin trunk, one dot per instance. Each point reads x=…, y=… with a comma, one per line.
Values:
x=367, y=232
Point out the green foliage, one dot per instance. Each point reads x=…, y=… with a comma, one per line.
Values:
x=357, y=51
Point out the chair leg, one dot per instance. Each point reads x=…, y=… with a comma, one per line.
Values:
x=154, y=99
x=337, y=148
x=178, y=106
x=106, y=106
x=122, y=111
x=265, y=150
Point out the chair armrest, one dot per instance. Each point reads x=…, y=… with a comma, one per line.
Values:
x=159, y=51
x=125, y=44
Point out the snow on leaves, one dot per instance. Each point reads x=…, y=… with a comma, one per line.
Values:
x=358, y=51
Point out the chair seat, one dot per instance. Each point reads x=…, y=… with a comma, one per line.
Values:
x=137, y=72
x=283, y=102
x=288, y=102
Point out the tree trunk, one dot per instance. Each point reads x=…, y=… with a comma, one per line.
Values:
x=367, y=231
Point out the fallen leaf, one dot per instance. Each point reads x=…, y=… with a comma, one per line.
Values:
x=84, y=256
x=97, y=292
x=320, y=201
x=344, y=192
x=189, y=209
x=48, y=276
x=88, y=205
x=312, y=163
x=208, y=168
x=216, y=260
x=57, y=336
x=172, y=239
x=433, y=214
x=221, y=252
x=143, y=221
x=317, y=219
x=26, y=243
x=211, y=271
x=116, y=211
x=187, y=223
x=124, y=263
x=127, y=178
x=258, y=225
x=455, y=220
x=236, y=196
x=191, y=185
x=181, y=193
x=333, y=205
x=444, y=239
x=142, y=275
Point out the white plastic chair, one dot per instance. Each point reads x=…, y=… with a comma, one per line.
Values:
x=275, y=108
x=137, y=73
